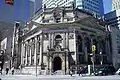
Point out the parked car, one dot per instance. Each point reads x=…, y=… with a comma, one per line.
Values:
x=105, y=70
x=118, y=72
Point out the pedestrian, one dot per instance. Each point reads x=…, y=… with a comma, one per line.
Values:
x=1, y=71
x=7, y=70
x=80, y=71
x=12, y=69
x=71, y=72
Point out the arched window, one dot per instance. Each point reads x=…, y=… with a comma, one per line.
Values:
x=58, y=37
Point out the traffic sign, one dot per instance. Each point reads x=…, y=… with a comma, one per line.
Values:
x=93, y=48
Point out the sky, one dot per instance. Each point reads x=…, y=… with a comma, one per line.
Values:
x=107, y=5
x=20, y=11
x=23, y=9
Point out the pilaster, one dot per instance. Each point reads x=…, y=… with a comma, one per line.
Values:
x=67, y=40
x=64, y=40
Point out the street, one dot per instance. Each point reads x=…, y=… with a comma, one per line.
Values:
x=58, y=77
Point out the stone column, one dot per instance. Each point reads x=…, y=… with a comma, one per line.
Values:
x=35, y=51
x=30, y=52
x=84, y=48
x=22, y=53
x=75, y=46
x=41, y=50
x=51, y=64
x=63, y=63
x=26, y=53
x=67, y=63
x=49, y=40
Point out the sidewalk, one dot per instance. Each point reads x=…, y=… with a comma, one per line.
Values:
x=19, y=73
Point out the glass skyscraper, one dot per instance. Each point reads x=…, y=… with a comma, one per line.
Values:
x=92, y=6
x=113, y=17
x=115, y=4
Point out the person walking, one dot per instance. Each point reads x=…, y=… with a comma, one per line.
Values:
x=7, y=70
x=71, y=71
x=12, y=69
x=80, y=71
x=1, y=71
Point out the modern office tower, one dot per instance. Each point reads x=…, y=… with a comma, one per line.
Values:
x=115, y=4
x=112, y=18
x=92, y=6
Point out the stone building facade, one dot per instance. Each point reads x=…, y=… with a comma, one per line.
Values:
x=61, y=38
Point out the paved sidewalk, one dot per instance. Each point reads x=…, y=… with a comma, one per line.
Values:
x=58, y=77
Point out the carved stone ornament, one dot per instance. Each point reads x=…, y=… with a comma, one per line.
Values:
x=56, y=13
x=71, y=36
x=57, y=48
x=45, y=36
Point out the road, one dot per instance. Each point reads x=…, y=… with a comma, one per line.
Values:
x=57, y=77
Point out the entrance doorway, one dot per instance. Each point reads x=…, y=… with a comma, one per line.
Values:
x=57, y=64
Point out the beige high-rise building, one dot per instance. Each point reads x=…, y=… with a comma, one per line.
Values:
x=115, y=4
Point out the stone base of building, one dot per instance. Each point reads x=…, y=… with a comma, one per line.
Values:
x=32, y=71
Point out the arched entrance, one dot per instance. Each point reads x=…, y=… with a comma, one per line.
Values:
x=57, y=64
